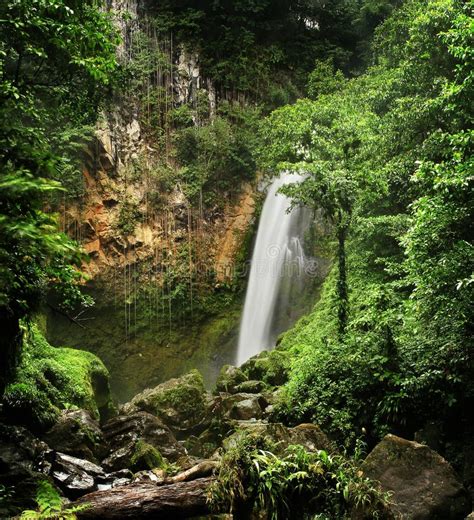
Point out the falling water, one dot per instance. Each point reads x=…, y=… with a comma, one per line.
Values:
x=276, y=273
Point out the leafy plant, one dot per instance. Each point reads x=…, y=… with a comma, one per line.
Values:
x=51, y=506
x=293, y=484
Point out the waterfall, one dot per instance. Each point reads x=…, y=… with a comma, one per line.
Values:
x=277, y=270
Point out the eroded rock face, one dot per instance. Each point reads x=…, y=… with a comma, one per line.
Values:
x=77, y=433
x=181, y=403
x=423, y=484
x=125, y=433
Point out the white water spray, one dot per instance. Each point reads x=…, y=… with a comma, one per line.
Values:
x=277, y=269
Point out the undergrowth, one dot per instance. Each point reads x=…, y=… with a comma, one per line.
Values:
x=297, y=484
x=50, y=505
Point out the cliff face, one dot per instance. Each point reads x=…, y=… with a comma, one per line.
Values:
x=118, y=224
x=163, y=264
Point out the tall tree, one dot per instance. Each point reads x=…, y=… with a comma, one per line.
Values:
x=55, y=57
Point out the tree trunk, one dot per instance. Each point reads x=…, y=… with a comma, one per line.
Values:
x=142, y=501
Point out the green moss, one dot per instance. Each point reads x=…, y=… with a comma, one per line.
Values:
x=49, y=379
x=187, y=396
x=145, y=456
x=270, y=367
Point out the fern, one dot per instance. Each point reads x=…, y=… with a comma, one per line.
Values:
x=50, y=505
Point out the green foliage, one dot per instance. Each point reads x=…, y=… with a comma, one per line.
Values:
x=213, y=157
x=266, y=49
x=49, y=379
x=389, y=157
x=51, y=506
x=54, y=54
x=297, y=484
x=324, y=80
x=129, y=216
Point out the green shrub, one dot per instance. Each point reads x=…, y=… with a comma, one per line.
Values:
x=251, y=478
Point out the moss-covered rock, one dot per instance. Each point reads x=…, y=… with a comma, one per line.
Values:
x=270, y=367
x=122, y=432
x=308, y=435
x=229, y=379
x=423, y=485
x=146, y=456
x=180, y=403
x=77, y=433
x=50, y=379
x=251, y=387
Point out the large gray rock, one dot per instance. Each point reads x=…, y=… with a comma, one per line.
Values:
x=74, y=476
x=242, y=406
x=77, y=433
x=423, y=484
x=126, y=432
x=180, y=403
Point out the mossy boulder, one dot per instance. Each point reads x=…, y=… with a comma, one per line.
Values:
x=77, y=433
x=229, y=379
x=181, y=403
x=242, y=407
x=251, y=387
x=122, y=433
x=310, y=436
x=270, y=367
x=423, y=485
x=50, y=379
x=145, y=456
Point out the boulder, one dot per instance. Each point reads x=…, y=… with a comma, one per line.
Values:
x=77, y=433
x=423, y=484
x=308, y=435
x=21, y=459
x=311, y=437
x=242, y=407
x=127, y=435
x=270, y=367
x=180, y=403
x=251, y=387
x=74, y=476
x=229, y=379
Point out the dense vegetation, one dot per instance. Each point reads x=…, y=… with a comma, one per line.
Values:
x=389, y=158
x=53, y=57
x=370, y=99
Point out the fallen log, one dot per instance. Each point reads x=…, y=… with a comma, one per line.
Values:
x=203, y=469
x=143, y=501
